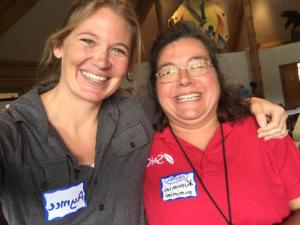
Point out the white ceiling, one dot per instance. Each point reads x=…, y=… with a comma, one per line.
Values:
x=25, y=39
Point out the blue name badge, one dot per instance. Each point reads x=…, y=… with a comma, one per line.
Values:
x=63, y=202
x=178, y=186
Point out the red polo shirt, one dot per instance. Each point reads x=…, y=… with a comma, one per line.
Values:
x=263, y=177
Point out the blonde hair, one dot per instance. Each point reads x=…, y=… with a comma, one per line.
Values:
x=49, y=66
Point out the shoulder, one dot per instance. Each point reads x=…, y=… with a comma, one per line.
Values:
x=246, y=131
x=247, y=122
x=26, y=109
x=249, y=126
x=130, y=112
x=246, y=125
x=8, y=128
x=129, y=106
x=160, y=139
x=6, y=121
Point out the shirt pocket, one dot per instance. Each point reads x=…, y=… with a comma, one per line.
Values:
x=57, y=173
x=130, y=148
x=130, y=139
x=49, y=174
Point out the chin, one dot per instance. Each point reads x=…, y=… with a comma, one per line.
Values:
x=190, y=115
x=93, y=98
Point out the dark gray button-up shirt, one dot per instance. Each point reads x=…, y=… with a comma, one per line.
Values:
x=42, y=183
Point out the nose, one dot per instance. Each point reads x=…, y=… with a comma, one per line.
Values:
x=183, y=77
x=101, y=58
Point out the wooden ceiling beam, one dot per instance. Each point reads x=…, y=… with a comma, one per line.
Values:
x=17, y=76
x=11, y=11
x=161, y=20
x=253, y=46
x=5, y=5
x=235, y=26
x=142, y=9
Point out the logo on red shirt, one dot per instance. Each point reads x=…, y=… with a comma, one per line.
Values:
x=160, y=159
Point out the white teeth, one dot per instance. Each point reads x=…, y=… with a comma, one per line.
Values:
x=94, y=77
x=188, y=97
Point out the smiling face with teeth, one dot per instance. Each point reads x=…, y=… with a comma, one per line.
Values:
x=95, y=56
x=190, y=101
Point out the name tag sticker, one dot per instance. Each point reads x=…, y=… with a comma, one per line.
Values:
x=63, y=202
x=178, y=186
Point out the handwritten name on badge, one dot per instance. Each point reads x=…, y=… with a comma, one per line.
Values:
x=178, y=186
x=64, y=201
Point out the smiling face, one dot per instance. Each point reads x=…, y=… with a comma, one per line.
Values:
x=190, y=101
x=95, y=56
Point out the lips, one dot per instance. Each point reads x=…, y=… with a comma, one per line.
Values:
x=93, y=77
x=188, y=97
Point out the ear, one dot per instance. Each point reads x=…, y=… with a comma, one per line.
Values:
x=57, y=52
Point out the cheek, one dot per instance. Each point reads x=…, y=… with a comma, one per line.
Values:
x=164, y=97
x=120, y=67
x=216, y=84
x=162, y=91
x=159, y=93
x=76, y=52
x=211, y=82
x=214, y=88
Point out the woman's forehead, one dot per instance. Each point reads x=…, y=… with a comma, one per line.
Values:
x=183, y=48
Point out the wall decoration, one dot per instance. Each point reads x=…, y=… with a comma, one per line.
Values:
x=293, y=21
x=292, y=18
x=207, y=15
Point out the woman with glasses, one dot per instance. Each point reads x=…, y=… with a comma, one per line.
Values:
x=206, y=164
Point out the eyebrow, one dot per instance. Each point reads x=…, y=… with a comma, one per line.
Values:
x=164, y=65
x=190, y=59
x=88, y=33
x=199, y=57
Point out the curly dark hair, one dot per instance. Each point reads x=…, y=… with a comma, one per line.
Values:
x=230, y=107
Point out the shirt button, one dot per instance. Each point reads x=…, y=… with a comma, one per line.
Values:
x=101, y=207
x=132, y=144
x=44, y=184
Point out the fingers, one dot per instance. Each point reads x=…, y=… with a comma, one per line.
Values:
x=261, y=120
x=295, y=204
x=274, y=133
x=257, y=107
x=270, y=117
x=276, y=127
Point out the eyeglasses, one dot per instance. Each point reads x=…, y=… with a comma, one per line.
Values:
x=195, y=67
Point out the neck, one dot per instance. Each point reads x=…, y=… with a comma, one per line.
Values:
x=198, y=136
x=63, y=110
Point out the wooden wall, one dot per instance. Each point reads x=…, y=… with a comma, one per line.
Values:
x=17, y=76
x=290, y=85
x=2, y=219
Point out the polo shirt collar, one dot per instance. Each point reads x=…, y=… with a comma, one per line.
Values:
x=228, y=127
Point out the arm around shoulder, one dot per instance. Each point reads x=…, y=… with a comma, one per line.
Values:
x=270, y=117
x=294, y=218
x=132, y=110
